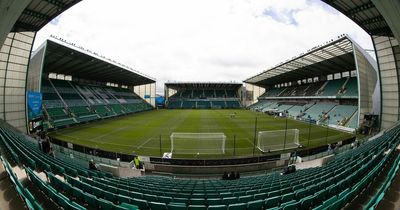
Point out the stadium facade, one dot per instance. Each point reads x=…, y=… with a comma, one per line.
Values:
x=339, y=183
x=203, y=95
x=380, y=19
x=336, y=80
x=79, y=85
x=21, y=19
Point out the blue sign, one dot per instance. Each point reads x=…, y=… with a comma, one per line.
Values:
x=34, y=104
x=146, y=96
x=160, y=100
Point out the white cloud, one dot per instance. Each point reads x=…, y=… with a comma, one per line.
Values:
x=201, y=40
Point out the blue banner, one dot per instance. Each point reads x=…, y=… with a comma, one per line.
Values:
x=34, y=100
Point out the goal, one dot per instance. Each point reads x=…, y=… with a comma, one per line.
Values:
x=198, y=143
x=271, y=141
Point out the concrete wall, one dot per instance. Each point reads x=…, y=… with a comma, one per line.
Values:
x=253, y=92
x=367, y=80
x=388, y=56
x=14, y=59
x=148, y=89
x=10, y=11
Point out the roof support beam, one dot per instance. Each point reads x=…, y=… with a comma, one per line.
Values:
x=21, y=26
x=36, y=14
x=359, y=8
x=372, y=20
x=57, y=3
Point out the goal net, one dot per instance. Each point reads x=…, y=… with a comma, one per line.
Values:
x=198, y=143
x=270, y=141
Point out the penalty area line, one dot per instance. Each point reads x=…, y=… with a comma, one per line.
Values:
x=144, y=143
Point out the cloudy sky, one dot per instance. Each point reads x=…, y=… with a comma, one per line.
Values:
x=201, y=40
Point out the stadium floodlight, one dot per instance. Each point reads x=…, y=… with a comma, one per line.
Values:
x=198, y=143
x=271, y=141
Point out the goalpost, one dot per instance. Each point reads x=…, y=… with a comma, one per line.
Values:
x=271, y=141
x=198, y=143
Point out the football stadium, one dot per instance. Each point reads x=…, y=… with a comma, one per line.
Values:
x=319, y=130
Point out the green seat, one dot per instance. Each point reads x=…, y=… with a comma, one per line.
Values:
x=98, y=192
x=214, y=201
x=229, y=200
x=149, y=197
x=123, y=199
x=176, y=206
x=164, y=199
x=181, y=200
x=198, y=195
x=197, y=207
x=136, y=195
x=197, y=201
x=70, y=171
x=77, y=193
x=287, y=197
x=246, y=198
x=329, y=202
x=260, y=196
x=225, y=194
x=110, y=196
x=76, y=206
x=62, y=200
x=142, y=204
x=274, y=193
x=57, y=169
x=157, y=206
x=86, y=187
x=217, y=207
x=237, y=206
x=291, y=205
x=338, y=204
x=45, y=166
x=255, y=205
x=286, y=190
x=307, y=202
x=320, y=207
x=129, y=206
x=90, y=200
x=272, y=202
x=299, y=194
x=104, y=204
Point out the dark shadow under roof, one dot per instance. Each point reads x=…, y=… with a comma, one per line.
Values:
x=63, y=59
x=204, y=85
x=40, y=12
x=364, y=13
x=335, y=57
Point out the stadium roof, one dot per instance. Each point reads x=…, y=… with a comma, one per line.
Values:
x=62, y=58
x=364, y=13
x=39, y=12
x=216, y=85
x=334, y=57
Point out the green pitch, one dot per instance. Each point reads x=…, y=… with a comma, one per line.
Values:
x=143, y=133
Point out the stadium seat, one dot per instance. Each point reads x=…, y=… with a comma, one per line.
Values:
x=142, y=204
x=157, y=206
x=176, y=206
x=255, y=205
x=291, y=205
x=246, y=198
x=197, y=207
x=287, y=197
x=237, y=206
x=271, y=202
x=217, y=207
x=129, y=206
